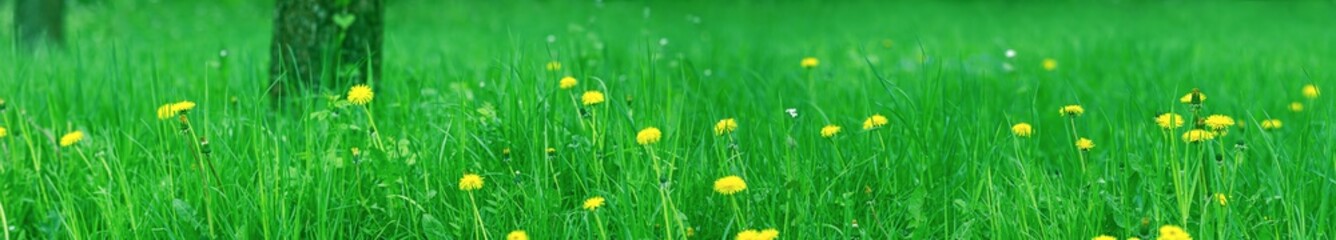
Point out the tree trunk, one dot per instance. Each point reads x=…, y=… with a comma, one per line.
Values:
x=332, y=43
x=39, y=22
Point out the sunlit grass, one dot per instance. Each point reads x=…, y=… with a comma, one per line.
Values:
x=585, y=120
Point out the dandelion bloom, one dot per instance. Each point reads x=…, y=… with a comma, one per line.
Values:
x=1219, y=122
x=1071, y=110
x=517, y=235
x=551, y=150
x=470, y=182
x=649, y=135
x=1310, y=91
x=810, y=62
x=360, y=94
x=71, y=138
x=1198, y=135
x=752, y=234
x=568, y=82
x=769, y=234
x=165, y=111
x=1296, y=107
x=172, y=109
x=1201, y=97
x=1104, y=237
x=1022, y=129
x=1050, y=64
x=593, y=203
x=830, y=131
x=3, y=132
x=1220, y=197
x=1270, y=124
x=553, y=66
x=1169, y=120
x=726, y=125
x=875, y=121
x=1085, y=144
x=749, y=234
x=183, y=106
x=729, y=185
x=591, y=98
x=1171, y=232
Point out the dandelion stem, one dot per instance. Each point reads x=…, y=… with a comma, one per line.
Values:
x=737, y=212
x=597, y=219
x=479, y=228
x=375, y=132
x=663, y=192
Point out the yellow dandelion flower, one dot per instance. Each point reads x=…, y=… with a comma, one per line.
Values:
x=1171, y=232
x=1085, y=144
x=1050, y=64
x=1222, y=199
x=551, y=150
x=1071, y=110
x=1198, y=135
x=1296, y=107
x=1271, y=124
x=568, y=82
x=470, y=182
x=1169, y=120
x=170, y=110
x=875, y=121
x=165, y=112
x=830, y=131
x=1201, y=97
x=726, y=125
x=769, y=234
x=517, y=235
x=592, y=97
x=71, y=138
x=1022, y=130
x=649, y=135
x=183, y=106
x=1310, y=91
x=729, y=185
x=593, y=203
x=554, y=66
x=1104, y=237
x=360, y=94
x=749, y=234
x=3, y=132
x=356, y=151
x=810, y=62
x=1219, y=122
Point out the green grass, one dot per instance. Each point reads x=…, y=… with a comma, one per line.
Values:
x=465, y=80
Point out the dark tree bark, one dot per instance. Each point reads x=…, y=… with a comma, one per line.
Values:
x=39, y=22
x=325, y=43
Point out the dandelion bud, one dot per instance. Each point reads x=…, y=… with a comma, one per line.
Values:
x=2, y=104
x=204, y=146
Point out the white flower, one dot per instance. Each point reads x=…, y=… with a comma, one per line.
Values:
x=1011, y=53
x=793, y=112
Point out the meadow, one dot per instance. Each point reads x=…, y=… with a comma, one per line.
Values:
x=684, y=120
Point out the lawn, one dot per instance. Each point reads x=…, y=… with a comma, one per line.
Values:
x=844, y=120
